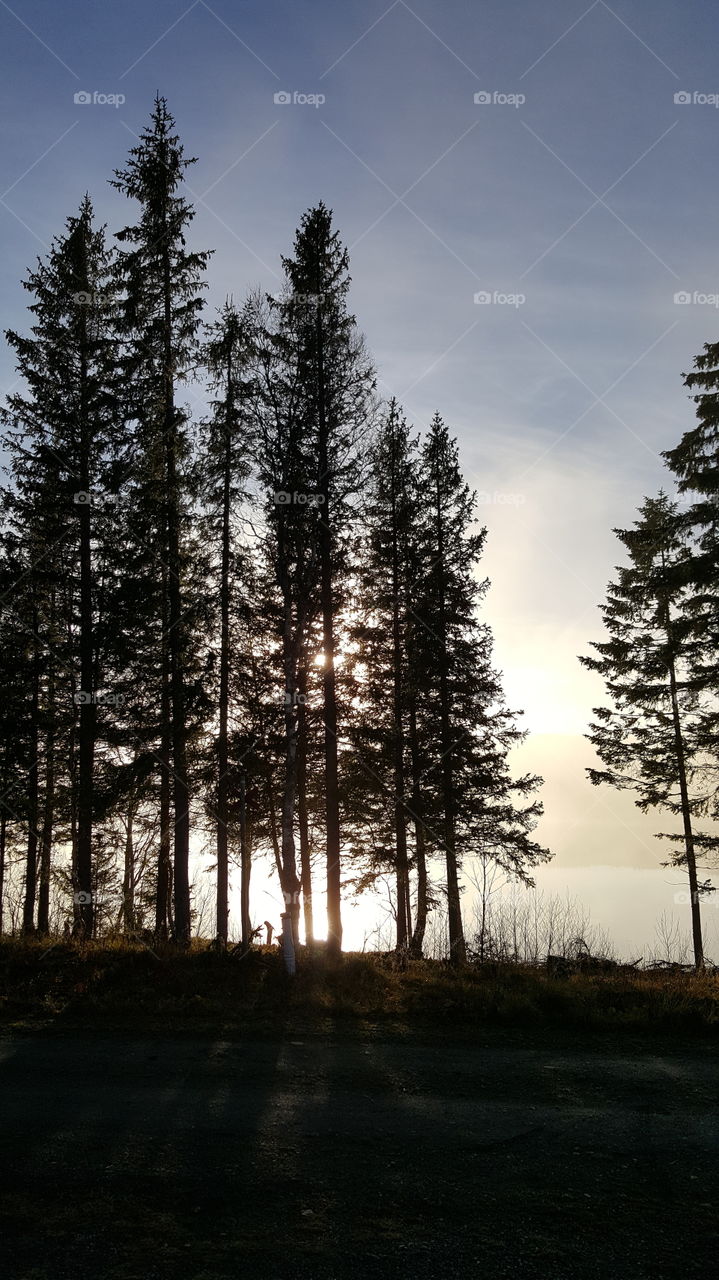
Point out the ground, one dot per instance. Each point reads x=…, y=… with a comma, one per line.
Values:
x=336, y=1147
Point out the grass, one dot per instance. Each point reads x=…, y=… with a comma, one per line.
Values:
x=110, y=985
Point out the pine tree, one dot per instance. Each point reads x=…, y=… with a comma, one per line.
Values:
x=257, y=740
x=162, y=281
x=336, y=384
x=471, y=805
x=16, y=710
x=651, y=739
x=387, y=572
x=225, y=469
x=23, y=648
x=449, y=597
x=284, y=461
x=63, y=438
x=695, y=464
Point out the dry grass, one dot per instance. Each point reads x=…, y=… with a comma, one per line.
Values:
x=127, y=986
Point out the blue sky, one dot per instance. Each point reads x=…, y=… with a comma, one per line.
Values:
x=594, y=200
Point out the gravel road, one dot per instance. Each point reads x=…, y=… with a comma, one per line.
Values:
x=320, y=1156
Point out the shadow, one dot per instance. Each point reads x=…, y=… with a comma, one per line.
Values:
x=328, y=1148
x=125, y=1153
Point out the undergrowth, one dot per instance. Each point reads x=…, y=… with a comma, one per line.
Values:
x=129, y=986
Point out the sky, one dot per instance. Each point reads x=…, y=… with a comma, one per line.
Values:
x=528, y=192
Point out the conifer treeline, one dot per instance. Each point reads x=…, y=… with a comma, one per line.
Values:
x=250, y=630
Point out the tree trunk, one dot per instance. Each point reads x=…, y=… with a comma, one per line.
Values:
x=128, y=878
x=404, y=923
x=43, y=899
x=176, y=628
x=3, y=839
x=274, y=838
x=222, y=744
x=245, y=869
x=420, y=854
x=290, y=883
x=457, y=946
x=302, y=816
x=690, y=852
x=332, y=811
x=88, y=709
x=164, y=865
x=28, y=915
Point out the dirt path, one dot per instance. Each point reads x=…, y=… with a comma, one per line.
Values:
x=325, y=1156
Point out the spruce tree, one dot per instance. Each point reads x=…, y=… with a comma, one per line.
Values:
x=471, y=804
x=162, y=283
x=449, y=595
x=284, y=459
x=63, y=439
x=16, y=710
x=695, y=464
x=336, y=385
x=651, y=739
x=24, y=593
x=387, y=575
x=225, y=466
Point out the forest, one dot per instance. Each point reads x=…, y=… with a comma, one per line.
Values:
x=242, y=609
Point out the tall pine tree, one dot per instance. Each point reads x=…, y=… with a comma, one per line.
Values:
x=64, y=440
x=336, y=385
x=650, y=740
x=225, y=466
x=162, y=283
